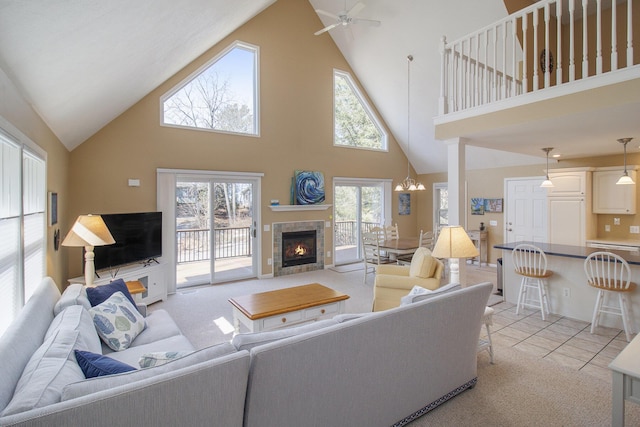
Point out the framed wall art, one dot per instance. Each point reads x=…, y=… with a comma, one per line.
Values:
x=493, y=205
x=477, y=206
x=53, y=208
x=404, y=204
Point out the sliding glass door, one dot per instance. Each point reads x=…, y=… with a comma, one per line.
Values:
x=359, y=206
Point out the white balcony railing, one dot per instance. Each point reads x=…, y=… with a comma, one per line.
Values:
x=549, y=43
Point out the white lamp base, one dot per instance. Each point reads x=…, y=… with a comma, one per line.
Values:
x=454, y=270
x=89, y=267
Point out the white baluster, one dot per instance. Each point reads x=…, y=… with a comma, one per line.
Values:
x=572, y=61
x=585, y=43
x=495, y=63
x=547, y=56
x=614, y=36
x=476, y=80
x=559, y=79
x=442, y=102
x=535, y=50
x=504, y=60
x=485, y=76
x=525, y=80
x=514, y=64
x=629, y=34
x=599, y=36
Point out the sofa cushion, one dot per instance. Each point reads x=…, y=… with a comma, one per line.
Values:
x=75, y=294
x=96, y=365
x=77, y=318
x=160, y=325
x=159, y=358
x=250, y=340
x=93, y=385
x=99, y=294
x=423, y=264
x=48, y=371
x=117, y=321
x=420, y=294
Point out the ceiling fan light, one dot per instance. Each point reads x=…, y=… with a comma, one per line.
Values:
x=547, y=183
x=625, y=180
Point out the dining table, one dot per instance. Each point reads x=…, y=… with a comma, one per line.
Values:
x=400, y=246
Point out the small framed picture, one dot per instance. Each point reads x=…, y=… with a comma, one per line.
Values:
x=53, y=208
x=493, y=205
x=477, y=206
x=404, y=204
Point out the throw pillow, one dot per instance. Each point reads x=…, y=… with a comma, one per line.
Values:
x=159, y=358
x=99, y=294
x=422, y=264
x=75, y=294
x=422, y=294
x=117, y=321
x=96, y=365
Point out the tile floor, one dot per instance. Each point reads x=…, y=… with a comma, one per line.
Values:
x=566, y=341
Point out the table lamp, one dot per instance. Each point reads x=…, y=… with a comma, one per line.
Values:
x=88, y=231
x=453, y=243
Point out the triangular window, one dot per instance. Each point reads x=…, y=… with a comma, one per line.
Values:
x=220, y=96
x=354, y=123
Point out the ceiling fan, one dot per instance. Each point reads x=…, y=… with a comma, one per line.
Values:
x=346, y=17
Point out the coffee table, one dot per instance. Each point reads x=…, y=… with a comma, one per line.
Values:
x=286, y=307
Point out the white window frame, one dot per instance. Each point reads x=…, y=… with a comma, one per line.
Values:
x=367, y=108
x=256, y=93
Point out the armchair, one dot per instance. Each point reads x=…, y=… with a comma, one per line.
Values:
x=395, y=281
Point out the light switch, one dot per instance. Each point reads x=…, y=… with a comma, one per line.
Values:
x=493, y=223
x=267, y=227
x=134, y=183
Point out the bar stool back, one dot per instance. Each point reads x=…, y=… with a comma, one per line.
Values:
x=531, y=264
x=610, y=275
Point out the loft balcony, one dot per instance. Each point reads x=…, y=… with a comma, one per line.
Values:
x=553, y=59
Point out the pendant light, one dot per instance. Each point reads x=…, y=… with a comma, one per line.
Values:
x=547, y=182
x=625, y=179
x=409, y=184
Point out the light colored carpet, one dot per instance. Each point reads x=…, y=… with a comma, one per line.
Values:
x=517, y=390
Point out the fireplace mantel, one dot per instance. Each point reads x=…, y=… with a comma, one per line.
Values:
x=284, y=208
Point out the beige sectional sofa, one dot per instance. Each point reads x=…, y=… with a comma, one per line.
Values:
x=374, y=369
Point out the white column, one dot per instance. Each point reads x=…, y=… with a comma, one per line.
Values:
x=456, y=170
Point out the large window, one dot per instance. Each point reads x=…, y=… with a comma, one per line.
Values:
x=22, y=224
x=354, y=123
x=221, y=96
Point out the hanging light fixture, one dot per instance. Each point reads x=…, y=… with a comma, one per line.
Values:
x=625, y=179
x=547, y=182
x=409, y=184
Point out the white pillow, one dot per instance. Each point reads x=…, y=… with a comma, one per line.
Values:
x=159, y=358
x=117, y=321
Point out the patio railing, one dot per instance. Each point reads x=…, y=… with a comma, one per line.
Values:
x=193, y=244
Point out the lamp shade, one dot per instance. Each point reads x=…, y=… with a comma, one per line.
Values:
x=454, y=242
x=88, y=230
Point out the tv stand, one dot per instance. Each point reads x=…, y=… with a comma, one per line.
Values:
x=149, y=262
x=152, y=276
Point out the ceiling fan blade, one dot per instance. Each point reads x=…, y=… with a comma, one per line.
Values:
x=371, y=22
x=355, y=9
x=325, y=29
x=330, y=15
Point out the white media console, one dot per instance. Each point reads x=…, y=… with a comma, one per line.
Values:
x=152, y=277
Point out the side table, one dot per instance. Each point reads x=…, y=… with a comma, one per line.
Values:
x=625, y=373
x=487, y=344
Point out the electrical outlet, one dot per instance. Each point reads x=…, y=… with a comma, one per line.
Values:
x=607, y=227
x=493, y=223
x=616, y=221
x=634, y=229
x=267, y=227
x=566, y=292
x=328, y=254
x=268, y=261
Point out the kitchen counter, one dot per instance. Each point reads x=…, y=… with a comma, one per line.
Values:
x=568, y=291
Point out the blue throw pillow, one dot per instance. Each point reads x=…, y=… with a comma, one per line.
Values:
x=99, y=294
x=97, y=365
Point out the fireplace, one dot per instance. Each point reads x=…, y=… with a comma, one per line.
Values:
x=298, y=248
x=296, y=264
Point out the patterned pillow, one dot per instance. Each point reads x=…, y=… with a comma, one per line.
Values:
x=117, y=321
x=158, y=358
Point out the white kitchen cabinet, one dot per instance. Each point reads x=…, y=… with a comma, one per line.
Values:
x=609, y=198
x=571, y=220
x=152, y=277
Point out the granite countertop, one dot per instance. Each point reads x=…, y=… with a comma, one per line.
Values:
x=580, y=252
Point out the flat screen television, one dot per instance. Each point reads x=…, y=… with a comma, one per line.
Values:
x=138, y=238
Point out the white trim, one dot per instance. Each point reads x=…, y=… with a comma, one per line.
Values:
x=367, y=108
x=284, y=208
x=209, y=173
x=256, y=93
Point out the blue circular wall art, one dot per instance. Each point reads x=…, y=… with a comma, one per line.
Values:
x=309, y=187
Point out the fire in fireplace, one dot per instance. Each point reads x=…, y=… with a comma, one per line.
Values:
x=298, y=248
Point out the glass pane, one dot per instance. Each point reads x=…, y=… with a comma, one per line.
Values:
x=34, y=271
x=353, y=125
x=192, y=233
x=9, y=270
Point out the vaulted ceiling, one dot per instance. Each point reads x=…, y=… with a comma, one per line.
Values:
x=81, y=64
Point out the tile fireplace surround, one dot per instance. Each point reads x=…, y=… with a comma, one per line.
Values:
x=286, y=227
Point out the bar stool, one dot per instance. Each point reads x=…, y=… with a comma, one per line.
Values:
x=531, y=264
x=610, y=275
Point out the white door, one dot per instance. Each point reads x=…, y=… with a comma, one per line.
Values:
x=526, y=214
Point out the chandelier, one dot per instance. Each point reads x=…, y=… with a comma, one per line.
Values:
x=409, y=184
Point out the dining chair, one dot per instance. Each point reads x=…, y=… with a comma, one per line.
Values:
x=391, y=232
x=610, y=274
x=531, y=264
x=371, y=253
x=426, y=240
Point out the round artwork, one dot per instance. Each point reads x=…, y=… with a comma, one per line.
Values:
x=309, y=187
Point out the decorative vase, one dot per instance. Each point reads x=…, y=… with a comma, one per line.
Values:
x=482, y=226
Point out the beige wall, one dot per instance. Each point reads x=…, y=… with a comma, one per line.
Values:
x=19, y=113
x=489, y=183
x=296, y=100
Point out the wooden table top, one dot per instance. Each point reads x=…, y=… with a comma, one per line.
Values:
x=403, y=243
x=265, y=304
x=135, y=287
